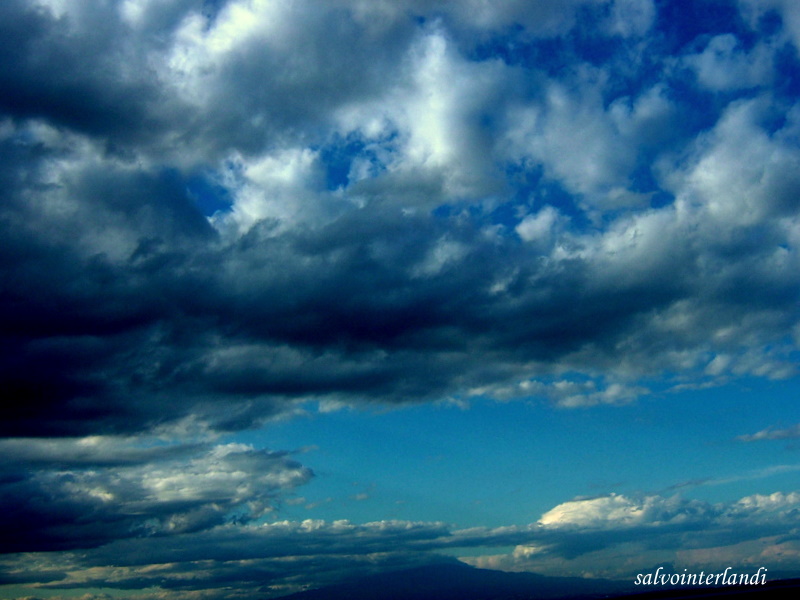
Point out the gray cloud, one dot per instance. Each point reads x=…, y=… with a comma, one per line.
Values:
x=64, y=494
x=612, y=536
x=120, y=296
x=213, y=213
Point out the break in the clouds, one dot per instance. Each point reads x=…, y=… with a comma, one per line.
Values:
x=218, y=214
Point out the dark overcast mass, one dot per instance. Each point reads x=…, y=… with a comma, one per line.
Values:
x=215, y=214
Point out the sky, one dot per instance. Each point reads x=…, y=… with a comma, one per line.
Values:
x=292, y=292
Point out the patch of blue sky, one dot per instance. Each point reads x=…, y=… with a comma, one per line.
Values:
x=502, y=463
x=683, y=24
x=528, y=191
x=787, y=74
x=343, y=153
x=532, y=189
x=643, y=181
x=515, y=47
x=208, y=193
x=338, y=157
x=560, y=57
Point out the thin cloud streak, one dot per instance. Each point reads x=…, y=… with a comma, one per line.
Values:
x=772, y=434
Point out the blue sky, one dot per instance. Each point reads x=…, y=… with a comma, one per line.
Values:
x=299, y=291
x=501, y=463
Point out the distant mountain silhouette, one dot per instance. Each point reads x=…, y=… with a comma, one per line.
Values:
x=458, y=581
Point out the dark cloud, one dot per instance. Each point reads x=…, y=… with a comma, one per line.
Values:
x=123, y=308
x=66, y=494
x=412, y=204
x=75, y=70
x=613, y=535
x=128, y=294
x=97, y=342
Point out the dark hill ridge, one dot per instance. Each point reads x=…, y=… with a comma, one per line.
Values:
x=458, y=581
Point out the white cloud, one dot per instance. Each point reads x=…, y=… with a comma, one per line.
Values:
x=725, y=66
x=647, y=120
x=617, y=536
x=772, y=434
x=432, y=112
x=631, y=17
x=230, y=474
x=741, y=175
x=613, y=394
x=284, y=188
x=587, y=147
x=611, y=512
x=123, y=299
x=754, y=10
x=566, y=393
x=610, y=536
x=572, y=136
x=444, y=254
x=770, y=502
x=540, y=227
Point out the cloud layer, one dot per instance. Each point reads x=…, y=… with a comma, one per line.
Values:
x=83, y=493
x=217, y=214
x=609, y=536
x=393, y=219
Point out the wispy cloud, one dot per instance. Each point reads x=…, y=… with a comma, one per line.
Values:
x=787, y=433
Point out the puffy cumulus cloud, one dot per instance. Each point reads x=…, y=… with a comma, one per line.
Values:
x=439, y=115
x=724, y=66
x=752, y=185
x=573, y=137
x=756, y=13
x=263, y=75
x=571, y=395
x=541, y=227
x=79, y=493
x=618, y=536
x=590, y=146
x=616, y=511
x=281, y=187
